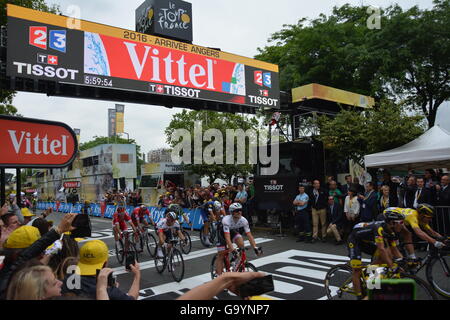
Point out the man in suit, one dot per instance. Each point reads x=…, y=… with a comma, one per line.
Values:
x=387, y=181
x=335, y=217
x=443, y=192
x=369, y=207
x=423, y=194
x=318, y=199
x=347, y=185
x=408, y=193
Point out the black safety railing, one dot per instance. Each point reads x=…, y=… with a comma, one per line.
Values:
x=441, y=220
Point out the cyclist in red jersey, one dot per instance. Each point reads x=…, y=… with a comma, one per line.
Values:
x=120, y=220
x=138, y=217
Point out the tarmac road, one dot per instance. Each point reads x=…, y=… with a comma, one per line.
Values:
x=298, y=269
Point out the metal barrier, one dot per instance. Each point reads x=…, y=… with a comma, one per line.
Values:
x=441, y=221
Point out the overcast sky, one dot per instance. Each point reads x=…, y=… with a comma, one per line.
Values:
x=235, y=26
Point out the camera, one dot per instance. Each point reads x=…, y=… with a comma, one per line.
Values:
x=129, y=260
x=111, y=278
x=256, y=287
x=82, y=224
x=394, y=289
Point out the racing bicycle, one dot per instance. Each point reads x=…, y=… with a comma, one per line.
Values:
x=339, y=286
x=147, y=240
x=211, y=235
x=436, y=264
x=237, y=263
x=172, y=259
x=125, y=246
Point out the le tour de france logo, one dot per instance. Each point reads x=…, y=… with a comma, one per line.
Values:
x=173, y=17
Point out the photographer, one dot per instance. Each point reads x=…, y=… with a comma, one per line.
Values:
x=93, y=258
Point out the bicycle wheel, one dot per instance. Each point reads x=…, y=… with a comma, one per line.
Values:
x=119, y=251
x=176, y=265
x=213, y=267
x=212, y=234
x=186, y=247
x=423, y=290
x=132, y=250
x=160, y=262
x=151, y=244
x=338, y=283
x=248, y=267
x=438, y=275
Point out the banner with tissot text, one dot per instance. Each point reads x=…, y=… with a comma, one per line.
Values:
x=42, y=46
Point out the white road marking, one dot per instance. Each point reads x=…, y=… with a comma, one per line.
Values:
x=192, y=255
x=294, y=286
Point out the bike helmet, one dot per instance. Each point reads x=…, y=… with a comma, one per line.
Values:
x=171, y=215
x=217, y=205
x=176, y=208
x=426, y=210
x=235, y=207
x=391, y=214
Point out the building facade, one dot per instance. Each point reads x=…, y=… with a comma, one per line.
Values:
x=94, y=172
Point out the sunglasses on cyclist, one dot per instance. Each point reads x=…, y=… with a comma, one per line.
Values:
x=398, y=221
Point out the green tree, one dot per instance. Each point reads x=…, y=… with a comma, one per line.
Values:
x=105, y=140
x=351, y=135
x=213, y=120
x=326, y=50
x=413, y=51
x=6, y=96
x=407, y=60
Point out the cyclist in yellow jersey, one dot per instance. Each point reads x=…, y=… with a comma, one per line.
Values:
x=418, y=221
x=377, y=239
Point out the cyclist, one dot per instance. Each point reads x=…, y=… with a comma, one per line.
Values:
x=229, y=231
x=166, y=227
x=418, y=222
x=138, y=217
x=179, y=212
x=377, y=239
x=121, y=219
x=211, y=211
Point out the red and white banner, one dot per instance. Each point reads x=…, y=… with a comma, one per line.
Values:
x=33, y=143
x=72, y=184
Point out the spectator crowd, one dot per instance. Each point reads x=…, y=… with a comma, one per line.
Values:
x=333, y=209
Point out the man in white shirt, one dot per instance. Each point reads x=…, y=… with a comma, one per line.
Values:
x=301, y=215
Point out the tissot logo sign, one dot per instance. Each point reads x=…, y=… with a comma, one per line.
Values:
x=32, y=143
x=273, y=186
x=42, y=48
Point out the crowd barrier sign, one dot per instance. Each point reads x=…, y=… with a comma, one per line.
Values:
x=156, y=213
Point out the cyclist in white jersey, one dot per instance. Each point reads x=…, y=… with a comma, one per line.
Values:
x=166, y=228
x=229, y=232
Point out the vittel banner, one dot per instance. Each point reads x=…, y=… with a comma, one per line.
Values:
x=32, y=143
x=101, y=56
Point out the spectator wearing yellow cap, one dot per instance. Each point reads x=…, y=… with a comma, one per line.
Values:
x=26, y=243
x=27, y=216
x=93, y=257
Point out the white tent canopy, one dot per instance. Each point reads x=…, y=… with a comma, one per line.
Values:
x=430, y=150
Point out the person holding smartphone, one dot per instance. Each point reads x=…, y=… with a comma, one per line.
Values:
x=94, y=258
